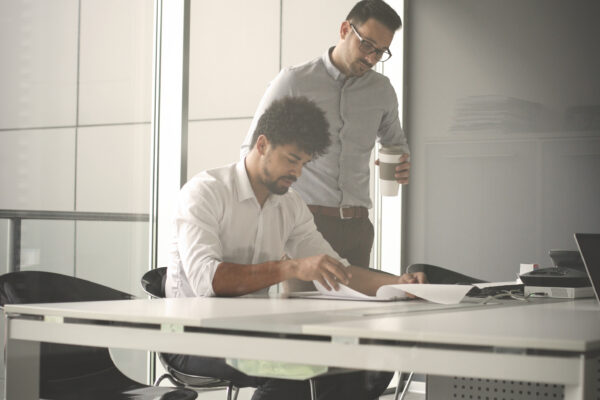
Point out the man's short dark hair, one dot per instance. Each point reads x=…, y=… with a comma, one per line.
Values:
x=295, y=120
x=376, y=9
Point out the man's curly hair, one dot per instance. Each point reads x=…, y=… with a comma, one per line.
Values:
x=295, y=120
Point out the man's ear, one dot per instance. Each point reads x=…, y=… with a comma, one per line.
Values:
x=262, y=143
x=345, y=29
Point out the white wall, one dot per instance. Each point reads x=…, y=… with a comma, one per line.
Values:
x=236, y=48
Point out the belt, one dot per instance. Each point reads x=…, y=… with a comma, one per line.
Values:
x=340, y=212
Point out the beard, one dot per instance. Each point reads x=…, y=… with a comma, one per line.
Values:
x=361, y=67
x=276, y=188
x=273, y=184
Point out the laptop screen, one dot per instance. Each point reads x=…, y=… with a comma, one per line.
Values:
x=589, y=248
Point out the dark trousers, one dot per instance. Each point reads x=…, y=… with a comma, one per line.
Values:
x=352, y=238
x=357, y=385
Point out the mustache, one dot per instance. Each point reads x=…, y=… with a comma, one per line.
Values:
x=368, y=64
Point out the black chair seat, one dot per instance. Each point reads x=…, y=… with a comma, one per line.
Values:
x=441, y=275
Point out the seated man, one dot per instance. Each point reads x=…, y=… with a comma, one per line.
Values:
x=235, y=224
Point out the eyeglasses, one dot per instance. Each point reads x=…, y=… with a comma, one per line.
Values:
x=368, y=48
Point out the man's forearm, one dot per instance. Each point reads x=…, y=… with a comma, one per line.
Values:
x=367, y=281
x=238, y=279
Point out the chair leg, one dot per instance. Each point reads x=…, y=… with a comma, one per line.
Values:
x=232, y=391
x=313, y=389
x=398, y=395
x=229, y=390
x=169, y=378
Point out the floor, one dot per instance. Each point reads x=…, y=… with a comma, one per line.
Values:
x=417, y=392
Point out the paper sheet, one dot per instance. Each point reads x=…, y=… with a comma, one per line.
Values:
x=442, y=294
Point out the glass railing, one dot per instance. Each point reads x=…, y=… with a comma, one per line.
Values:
x=15, y=218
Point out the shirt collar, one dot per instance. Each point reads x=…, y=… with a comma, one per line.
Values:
x=244, y=188
x=332, y=70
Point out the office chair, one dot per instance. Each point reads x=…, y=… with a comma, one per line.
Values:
x=70, y=372
x=153, y=283
x=441, y=275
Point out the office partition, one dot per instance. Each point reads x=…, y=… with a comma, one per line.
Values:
x=502, y=112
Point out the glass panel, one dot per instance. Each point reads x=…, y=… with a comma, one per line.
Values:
x=34, y=176
x=75, y=133
x=48, y=246
x=113, y=253
x=38, y=40
x=121, y=184
x=115, y=75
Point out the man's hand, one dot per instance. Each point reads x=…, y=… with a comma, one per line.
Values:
x=328, y=271
x=415, y=277
x=402, y=170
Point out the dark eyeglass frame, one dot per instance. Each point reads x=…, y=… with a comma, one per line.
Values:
x=367, y=47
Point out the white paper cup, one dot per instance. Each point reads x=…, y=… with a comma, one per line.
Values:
x=389, y=158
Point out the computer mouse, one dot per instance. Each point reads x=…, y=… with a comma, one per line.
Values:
x=556, y=277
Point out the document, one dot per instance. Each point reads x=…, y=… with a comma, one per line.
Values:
x=442, y=294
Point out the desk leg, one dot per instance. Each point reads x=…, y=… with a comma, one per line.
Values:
x=589, y=382
x=22, y=369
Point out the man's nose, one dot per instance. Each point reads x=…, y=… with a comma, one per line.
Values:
x=297, y=171
x=373, y=58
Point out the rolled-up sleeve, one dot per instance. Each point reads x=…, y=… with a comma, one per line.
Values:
x=197, y=230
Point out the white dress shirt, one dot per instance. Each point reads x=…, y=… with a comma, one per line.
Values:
x=218, y=219
x=360, y=111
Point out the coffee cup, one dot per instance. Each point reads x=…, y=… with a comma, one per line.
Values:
x=389, y=158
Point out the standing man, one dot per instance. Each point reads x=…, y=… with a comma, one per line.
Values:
x=233, y=225
x=361, y=108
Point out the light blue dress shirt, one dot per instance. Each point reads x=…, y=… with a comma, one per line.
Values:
x=360, y=110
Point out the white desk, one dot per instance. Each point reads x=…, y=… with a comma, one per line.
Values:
x=549, y=342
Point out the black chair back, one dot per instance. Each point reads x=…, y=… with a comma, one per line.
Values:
x=441, y=275
x=153, y=282
x=47, y=287
x=68, y=371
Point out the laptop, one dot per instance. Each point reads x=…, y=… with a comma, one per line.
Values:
x=589, y=248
